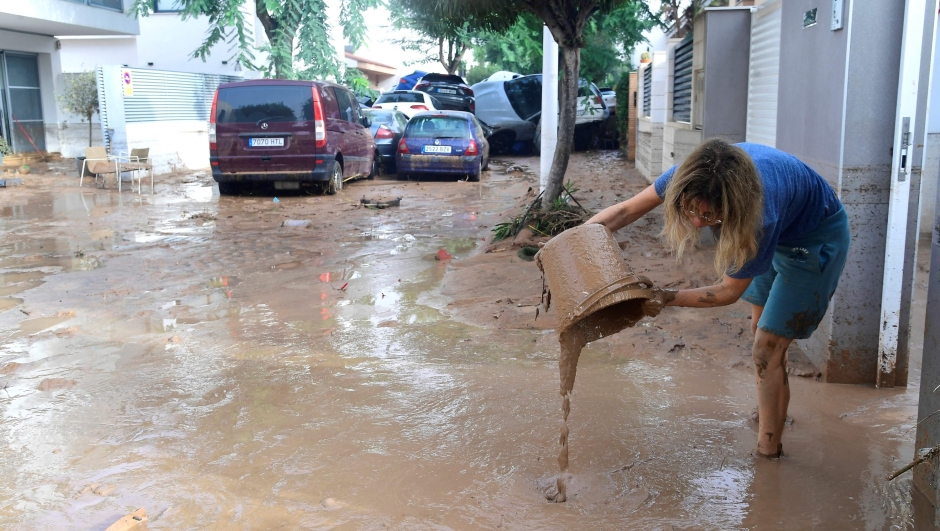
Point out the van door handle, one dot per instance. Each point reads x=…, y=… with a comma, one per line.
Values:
x=265, y=159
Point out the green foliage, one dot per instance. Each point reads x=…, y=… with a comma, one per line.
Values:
x=298, y=44
x=438, y=37
x=4, y=147
x=80, y=96
x=358, y=83
x=622, y=90
x=563, y=213
x=609, y=39
x=479, y=72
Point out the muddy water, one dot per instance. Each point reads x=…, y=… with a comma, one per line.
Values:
x=597, y=295
x=219, y=391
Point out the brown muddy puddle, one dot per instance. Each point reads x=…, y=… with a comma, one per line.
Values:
x=220, y=391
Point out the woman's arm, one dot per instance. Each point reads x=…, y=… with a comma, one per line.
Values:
x=622, y=214
x=727, y=291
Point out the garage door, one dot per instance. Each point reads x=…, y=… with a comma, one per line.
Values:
x=763, y=74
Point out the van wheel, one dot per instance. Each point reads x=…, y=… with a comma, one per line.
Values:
x=336, y=181
x=230, y=188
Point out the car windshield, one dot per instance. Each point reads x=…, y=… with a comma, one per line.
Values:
x=400, y=98
x=525, y=95
x=264, y=103
x=438, y=127
x=378, y=117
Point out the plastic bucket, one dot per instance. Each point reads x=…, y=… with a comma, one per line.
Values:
x=590, y=284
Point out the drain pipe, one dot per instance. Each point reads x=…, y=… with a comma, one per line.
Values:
x=549, y=119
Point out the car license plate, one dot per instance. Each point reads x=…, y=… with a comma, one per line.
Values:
x=265, y=142
x=437, y=149
x=446, y=91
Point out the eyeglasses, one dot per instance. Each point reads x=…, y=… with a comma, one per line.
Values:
x=706, y=219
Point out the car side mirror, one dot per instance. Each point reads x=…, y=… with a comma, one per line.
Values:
x=366, y=121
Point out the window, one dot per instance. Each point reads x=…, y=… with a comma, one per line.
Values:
x=347, y=110
x=400, y=98
x=264, y=104
x=525, y=95
x=438, y=127
x=117, y=5
x=167, y=6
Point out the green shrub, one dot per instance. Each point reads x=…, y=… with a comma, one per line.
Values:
x=622, y=89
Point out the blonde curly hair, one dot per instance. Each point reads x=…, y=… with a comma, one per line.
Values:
x=725, y=176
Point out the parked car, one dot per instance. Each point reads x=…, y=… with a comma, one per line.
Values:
x=387, y=128
x=513, y=109
x=408, y=82
x=610, y=99
x=452, y=91
x=293, y=134
x=502, y=75
x=443, y=142
x=365, y=102
x=409, y=102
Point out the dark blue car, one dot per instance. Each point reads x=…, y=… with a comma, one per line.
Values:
x=408, y=82
x=443, y=143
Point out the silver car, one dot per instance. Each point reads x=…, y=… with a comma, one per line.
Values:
x=513, y=109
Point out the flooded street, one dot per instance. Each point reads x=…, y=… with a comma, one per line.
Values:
x=196, y=356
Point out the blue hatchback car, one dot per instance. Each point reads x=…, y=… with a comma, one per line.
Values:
x=443, y=143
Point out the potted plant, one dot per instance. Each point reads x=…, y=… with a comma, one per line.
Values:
x=4, y=149
x=81, y=97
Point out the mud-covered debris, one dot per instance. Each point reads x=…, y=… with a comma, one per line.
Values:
x=130, y=522
x=677, y=346
x=4, y=183
x=51, y=384
x=443, y=255
x=296, y=223
x=379, y=203
x=174, y=339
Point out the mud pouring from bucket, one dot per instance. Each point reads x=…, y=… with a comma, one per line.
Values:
x=597, y=295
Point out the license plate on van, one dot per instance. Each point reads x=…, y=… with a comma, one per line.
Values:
x=437, y=149
x=446, y=91
x=265, y=142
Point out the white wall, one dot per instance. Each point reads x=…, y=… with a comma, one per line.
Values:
x=933, y=120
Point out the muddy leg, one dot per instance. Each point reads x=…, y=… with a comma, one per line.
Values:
x=773, y=389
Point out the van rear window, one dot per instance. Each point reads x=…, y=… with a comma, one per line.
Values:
x=264, y=103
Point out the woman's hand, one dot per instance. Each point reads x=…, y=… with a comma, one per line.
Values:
x=659, y=300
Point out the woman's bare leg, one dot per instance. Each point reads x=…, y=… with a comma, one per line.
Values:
x=773, y=388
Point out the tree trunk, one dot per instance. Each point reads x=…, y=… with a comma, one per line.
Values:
x=567, y=115
x=89, y=131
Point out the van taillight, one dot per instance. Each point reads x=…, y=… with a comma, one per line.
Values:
x=215, y=102
x=318, y=123
x=384, y=132
x=403, y=147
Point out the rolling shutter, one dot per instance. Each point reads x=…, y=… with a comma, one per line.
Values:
x=160, y=95
x=682, y=82
x=647, y=89
x=763, y=73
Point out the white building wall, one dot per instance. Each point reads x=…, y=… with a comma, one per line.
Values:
x=931, y=169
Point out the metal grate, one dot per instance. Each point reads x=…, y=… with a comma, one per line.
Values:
x=103, y=109
x=682, y=82
x=647, y=89
x=164, y=96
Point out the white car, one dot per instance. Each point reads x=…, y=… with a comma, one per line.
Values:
x=610, y=99
x=407, y=102
x=502, y=75
x=591, y=106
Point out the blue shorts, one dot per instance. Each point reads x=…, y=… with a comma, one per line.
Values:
x=795, y=292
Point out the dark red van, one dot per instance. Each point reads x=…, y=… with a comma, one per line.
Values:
x=293, y=134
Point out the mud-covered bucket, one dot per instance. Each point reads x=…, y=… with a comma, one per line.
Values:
x=590, y=283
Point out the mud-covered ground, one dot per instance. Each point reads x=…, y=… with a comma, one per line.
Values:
x=197, y=356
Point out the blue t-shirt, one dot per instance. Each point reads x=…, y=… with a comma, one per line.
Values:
x=796, y=199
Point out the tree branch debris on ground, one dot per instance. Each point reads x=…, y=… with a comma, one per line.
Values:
x=559, y=216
